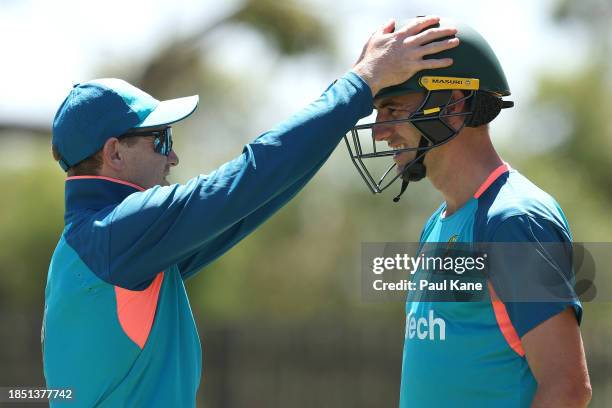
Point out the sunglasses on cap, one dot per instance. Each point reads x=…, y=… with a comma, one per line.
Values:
x=162, y=143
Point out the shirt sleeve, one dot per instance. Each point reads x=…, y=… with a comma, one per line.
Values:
x=533, y=256
x=192, y=224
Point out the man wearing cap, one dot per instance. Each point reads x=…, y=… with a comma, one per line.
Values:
x=118, y=328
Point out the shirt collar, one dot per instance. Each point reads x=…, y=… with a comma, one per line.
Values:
x=494, y=175
x=95, y=192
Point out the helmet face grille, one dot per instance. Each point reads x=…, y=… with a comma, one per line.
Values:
x=431, y=122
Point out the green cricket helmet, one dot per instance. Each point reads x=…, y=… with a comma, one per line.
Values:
x=475, y=71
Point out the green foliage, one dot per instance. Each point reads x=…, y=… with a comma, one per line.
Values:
x=592, y=13
x=577, y=171
x=286, y=24
x=31, y=219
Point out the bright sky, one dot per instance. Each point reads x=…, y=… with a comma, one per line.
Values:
x=49, y=45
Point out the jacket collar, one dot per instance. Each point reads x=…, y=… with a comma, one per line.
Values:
x=95, y=192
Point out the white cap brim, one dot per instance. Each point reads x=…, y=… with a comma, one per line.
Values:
x=170, y=111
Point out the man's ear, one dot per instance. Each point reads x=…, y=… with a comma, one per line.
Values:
x=112, y=154
x=457, y=107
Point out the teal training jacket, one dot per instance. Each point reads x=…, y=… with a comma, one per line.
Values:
x=118, y=328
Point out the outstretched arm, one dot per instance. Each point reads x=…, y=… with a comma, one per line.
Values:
x=194, y=223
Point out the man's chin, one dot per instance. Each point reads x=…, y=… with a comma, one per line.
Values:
x=400, y=165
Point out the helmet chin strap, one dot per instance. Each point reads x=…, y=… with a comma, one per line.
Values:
x=415, y=170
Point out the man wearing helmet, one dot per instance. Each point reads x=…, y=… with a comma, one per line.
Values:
x=502, y=352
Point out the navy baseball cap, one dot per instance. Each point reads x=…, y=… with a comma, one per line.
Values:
x=97, y=110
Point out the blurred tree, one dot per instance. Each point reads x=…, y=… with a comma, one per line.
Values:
x=593, y=15
x=579, y=166
x=287, y=26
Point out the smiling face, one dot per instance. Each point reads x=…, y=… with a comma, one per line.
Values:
x=398, y=135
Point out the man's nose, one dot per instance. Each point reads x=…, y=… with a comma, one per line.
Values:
x=381, y=132
x=173, y=158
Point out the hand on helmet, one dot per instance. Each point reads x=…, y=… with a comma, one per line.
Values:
x=391, y=57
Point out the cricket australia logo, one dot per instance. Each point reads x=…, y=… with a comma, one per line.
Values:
x=451, y=244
